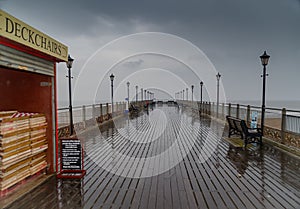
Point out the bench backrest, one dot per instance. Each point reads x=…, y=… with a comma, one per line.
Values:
x=238, y=125
x=234, y=123
x=230, y=122
x=244, y=126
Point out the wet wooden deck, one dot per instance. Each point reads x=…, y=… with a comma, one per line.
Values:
x=126, y=169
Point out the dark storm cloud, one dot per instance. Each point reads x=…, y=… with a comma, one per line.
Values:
x=232, y=33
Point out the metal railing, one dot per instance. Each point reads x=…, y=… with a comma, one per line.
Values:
x=282, y=125
x=87, y=112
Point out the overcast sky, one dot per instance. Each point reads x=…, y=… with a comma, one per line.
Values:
x=230, y=34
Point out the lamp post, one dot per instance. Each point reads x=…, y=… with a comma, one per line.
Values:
x=128, y=83
x=218, y=85
x=136, y=94
x=192, y=93
x=112, y=93
x=145, y=94
x=201, y=85
x=142, y=94
x=187, y=94
x=69, y=66
x=264, y=61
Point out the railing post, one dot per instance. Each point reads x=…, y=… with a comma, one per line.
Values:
x=107, y=109
x=223, y=110
x=238, y=110
x=209, y=111
x=283, y=125
x=101, y=110
x=248, y=114
x=116, y=108
x=229, y=109
x=93, y=111
x=83, y=115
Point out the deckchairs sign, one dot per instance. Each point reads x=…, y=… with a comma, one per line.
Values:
x=18, y=31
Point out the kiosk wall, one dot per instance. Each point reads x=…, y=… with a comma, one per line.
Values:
x=28, y=86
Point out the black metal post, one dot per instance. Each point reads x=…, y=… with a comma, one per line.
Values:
x=201, y=85
x=218, y=86
x=136, y=94
x=70, y=102
x=192, y=93
x=112, y=94
x=128, y=94
x=142, y=94
x=264, y=60
x=187, y=94
x=263, y=107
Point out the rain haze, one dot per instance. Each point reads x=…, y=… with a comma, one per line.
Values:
x=111, y=37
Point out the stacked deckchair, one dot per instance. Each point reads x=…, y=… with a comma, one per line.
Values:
x=22, y=146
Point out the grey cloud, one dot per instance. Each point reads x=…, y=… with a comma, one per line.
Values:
x=232, y=33
x=133, y=64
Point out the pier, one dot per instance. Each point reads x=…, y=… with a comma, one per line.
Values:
x=170, y=157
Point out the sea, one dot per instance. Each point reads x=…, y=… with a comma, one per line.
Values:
x=292, y=105
x=278, y=104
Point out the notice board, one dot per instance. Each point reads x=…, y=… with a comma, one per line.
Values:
x=71, y=154
x=71, y=159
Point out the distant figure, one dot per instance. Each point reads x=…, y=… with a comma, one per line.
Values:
x=146, y=105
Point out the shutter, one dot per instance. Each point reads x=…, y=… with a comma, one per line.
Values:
x=13, y=58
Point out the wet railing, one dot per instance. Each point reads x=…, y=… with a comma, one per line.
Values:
x=89, y=115
x=292, y=123
x=281, y=125
x=86, y=115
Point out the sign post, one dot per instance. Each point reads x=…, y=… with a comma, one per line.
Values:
x=71, y=159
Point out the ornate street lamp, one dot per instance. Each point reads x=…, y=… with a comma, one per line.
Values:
x=112, y=77
x=187, y=94
x=218, y=85
x=264, y=61
x=136, y=94
x=201, y=85
x=128, y=83
x=192, y=93
x=69, y=66
x=142, y=94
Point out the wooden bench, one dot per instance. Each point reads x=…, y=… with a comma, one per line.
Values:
x=133, y=109
x=252, y=135
x=239, y=127
x=234, y=125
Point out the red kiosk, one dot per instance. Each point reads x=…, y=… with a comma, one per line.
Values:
x=28, y=106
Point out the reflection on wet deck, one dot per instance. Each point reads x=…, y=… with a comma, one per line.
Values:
x=169, y=159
